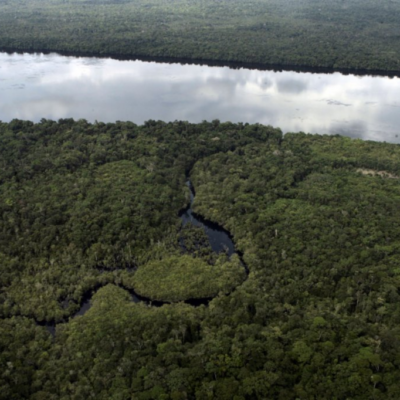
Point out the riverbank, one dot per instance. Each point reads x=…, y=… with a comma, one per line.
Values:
x=208, y=62
x=356, y=36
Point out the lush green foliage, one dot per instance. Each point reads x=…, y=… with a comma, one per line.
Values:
x=79, y=198
x=181, y=278
x=350, y=34
x=23, y=350
x=317, y=220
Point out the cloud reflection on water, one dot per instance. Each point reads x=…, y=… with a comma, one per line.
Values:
x=52, y=86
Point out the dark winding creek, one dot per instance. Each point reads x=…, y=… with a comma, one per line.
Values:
x=36, y=86
x=220, y=241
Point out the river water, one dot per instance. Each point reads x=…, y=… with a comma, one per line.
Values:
x=36, y=86
x=220, y=240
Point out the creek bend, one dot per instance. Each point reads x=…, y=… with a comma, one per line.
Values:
x=220, y=241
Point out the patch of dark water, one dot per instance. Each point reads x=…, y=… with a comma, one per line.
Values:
x=220, y=239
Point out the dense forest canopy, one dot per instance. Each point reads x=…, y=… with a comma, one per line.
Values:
x=308, y=307
x=94, y=207
x=345, y=34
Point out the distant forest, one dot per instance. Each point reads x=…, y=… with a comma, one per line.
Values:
x=340, y=35
x=93, y=208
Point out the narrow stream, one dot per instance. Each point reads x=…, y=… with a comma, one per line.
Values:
x=220, y=241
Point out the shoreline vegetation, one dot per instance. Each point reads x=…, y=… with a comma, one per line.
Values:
x=211, y=63
x=316, y=219
x=357, y=36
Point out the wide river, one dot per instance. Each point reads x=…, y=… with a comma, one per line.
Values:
x=36, y=86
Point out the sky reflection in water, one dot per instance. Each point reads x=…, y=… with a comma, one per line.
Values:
x=52, y=86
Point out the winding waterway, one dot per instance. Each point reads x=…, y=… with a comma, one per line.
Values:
x=36, y=86
x=220, y=241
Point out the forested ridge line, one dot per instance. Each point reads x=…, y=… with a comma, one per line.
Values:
x=315, y=217
x=352, y=35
